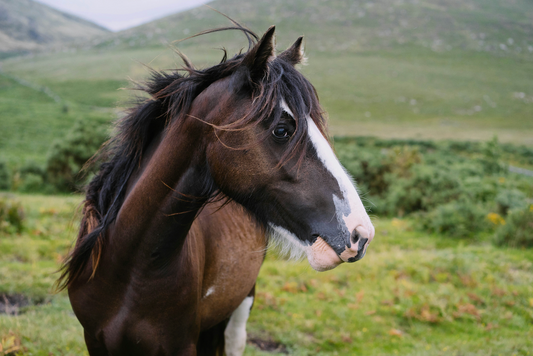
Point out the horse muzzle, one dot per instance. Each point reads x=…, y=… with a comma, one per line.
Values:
x=359, y=241
x=322, y=257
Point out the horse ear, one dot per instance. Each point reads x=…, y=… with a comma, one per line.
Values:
x=295, y=53
x=258, y=57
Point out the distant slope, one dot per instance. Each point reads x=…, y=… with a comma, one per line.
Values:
x=439, y=69
x=26, y=25
x=498, y=26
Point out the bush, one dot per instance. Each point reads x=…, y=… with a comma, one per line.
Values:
x=450, y=187
x=480, y=189
x=517, y=230
x=426, y=188
x=31, y=183
x=455, y=219
x=30, y=178
x=367, y=167
x=5, y=179
x=11, y=216
x=492, y=157
x=509, y=199
x=67, y=157
x=372, y=168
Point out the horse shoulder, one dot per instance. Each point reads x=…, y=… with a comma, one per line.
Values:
x=235, y=247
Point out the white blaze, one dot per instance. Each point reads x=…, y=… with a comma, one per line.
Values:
x=357, y=217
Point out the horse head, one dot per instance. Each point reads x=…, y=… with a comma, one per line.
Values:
x=269, y=152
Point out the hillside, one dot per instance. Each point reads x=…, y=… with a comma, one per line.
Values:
x=495, y=26
x=394, y=84
x=26, y=25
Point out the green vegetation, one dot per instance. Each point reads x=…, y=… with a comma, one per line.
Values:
x=32, y=121
x=518, y=230
x=11, y=216
x=420, y=94
x=382, y=68
x=413, y=294
x=450, y=270
x=68, y=157
x=5, y=179
x=456, y=189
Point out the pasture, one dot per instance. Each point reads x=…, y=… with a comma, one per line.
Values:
x=413, y=294
x=416, y=292
x=402, y=93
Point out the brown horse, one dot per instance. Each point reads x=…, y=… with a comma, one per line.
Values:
x=199, y=178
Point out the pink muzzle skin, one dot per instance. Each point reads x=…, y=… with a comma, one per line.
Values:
x=361, y=238
x=322, y=257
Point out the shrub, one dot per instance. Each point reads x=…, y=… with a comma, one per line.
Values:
x=510, y=199
x=67, y=157
x=492, y=157
x=450, y=187
x=30, y=178
x=11, y=216
x=518, y=228
x=30, y=183
x=371, y=167
x=480, y=189
x=5, y=179
x=426, y=188
x=32, y=168
x=366, y=167
x=455, y=219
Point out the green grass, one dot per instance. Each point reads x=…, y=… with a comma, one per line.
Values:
x=31, y=121
x=421, y=94
x=413, y=294
x=379, y=72
x=423, y=69
x=392, y=94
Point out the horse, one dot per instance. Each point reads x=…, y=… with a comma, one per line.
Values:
x=200, y=177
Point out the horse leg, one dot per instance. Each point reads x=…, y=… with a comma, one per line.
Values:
x=235, y=333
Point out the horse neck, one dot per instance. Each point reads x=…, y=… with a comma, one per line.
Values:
x=162, y=204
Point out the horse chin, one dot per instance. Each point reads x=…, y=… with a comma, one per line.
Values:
x=322, y=257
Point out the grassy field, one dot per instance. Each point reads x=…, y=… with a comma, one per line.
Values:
x=428, y=70
x=413, y=294
x=392, y=69
x=401, y=94
x=403, y=69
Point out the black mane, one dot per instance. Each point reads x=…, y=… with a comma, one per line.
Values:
x=170, y=98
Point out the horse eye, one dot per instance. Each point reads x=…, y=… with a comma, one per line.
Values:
x=280, y=132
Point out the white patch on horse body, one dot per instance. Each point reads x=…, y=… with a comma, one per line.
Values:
x=350, y=200
x=235, y=333
x=210, y=291
x=286, y=242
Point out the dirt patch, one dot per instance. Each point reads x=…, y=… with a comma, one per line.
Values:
x=268, y=345
x=14, y=304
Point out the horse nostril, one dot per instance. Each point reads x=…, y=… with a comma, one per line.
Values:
x=362, y=246
x=360, y=250
x=355, y=236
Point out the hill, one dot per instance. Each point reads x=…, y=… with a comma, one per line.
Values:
x=494, y=26
x=440, y=69
x=26, y=25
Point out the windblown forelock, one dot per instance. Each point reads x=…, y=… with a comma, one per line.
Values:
x=284, y=83
x=281, y=83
